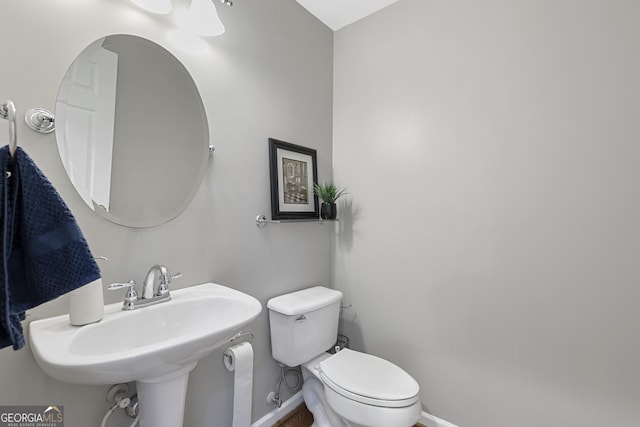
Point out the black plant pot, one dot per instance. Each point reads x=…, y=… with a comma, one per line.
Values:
x=328, y=211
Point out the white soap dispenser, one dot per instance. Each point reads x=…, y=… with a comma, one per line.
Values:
x=86, y=304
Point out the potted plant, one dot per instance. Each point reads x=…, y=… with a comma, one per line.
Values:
x=329, y=193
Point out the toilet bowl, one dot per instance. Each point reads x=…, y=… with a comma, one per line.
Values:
x=345, y=389
x=313, y=393
x=362, y=390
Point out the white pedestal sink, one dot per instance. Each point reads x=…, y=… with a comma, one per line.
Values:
x=155, y=346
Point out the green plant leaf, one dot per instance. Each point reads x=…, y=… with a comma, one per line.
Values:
x=329, y=193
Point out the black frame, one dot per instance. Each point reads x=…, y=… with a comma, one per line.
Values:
x=302, y=160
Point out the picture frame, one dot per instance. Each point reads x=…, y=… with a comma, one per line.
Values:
x=293, y=169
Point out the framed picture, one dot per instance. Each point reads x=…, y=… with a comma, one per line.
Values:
x=293, y=173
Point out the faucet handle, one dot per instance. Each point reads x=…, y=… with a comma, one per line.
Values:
x=120, y=285
x=130, y=297
x=163, y=287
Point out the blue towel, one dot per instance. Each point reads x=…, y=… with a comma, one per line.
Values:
x=44, y=253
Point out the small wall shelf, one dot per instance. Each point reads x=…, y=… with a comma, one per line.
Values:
x=261, y=220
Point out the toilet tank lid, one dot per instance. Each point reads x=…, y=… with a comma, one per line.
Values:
x=304, y=301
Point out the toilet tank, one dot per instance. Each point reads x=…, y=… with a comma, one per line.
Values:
x=303, y=324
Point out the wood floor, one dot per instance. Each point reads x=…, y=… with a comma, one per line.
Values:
x=301, y=417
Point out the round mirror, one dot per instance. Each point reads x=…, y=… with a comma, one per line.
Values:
x=132, y=131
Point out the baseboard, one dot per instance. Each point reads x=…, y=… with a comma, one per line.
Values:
x=277, y=414
x=429, y=420
x=274, y=416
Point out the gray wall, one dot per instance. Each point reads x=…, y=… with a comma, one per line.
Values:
x=269, y=75
x=490, y=244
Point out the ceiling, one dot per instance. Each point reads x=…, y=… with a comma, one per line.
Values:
x=339, y=13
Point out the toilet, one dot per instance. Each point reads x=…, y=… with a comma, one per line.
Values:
x=345, y=389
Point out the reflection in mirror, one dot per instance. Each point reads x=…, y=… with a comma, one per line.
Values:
x=132, y=132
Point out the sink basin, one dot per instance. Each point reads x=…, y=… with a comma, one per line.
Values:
x=143, y=344
x=156, y=346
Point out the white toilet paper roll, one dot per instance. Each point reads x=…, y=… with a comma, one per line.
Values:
x=239, y=359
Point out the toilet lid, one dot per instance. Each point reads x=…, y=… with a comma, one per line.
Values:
x=370, y=377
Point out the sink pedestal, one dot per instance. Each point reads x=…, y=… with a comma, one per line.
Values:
x=162, y=400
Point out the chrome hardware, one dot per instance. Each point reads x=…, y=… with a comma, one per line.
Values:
x=117, y=393
x=261, y=220
x=130, y=298
x=114, y=286
x=133, y=409
x=164, y=281
x=4, y=109
x=274, y=399
x=241, y=335
x=40, y=120
x=133, y=300
x=8, y=111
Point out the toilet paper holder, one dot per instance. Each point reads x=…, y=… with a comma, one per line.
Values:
x=241, y=335
x=237, y=337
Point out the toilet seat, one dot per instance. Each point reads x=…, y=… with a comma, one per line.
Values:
x=369, y=380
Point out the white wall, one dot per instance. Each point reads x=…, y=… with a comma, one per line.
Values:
x=269, y=75
x=490, y=244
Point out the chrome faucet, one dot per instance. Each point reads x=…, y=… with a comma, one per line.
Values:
x=148, y=297
x=149, y=280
